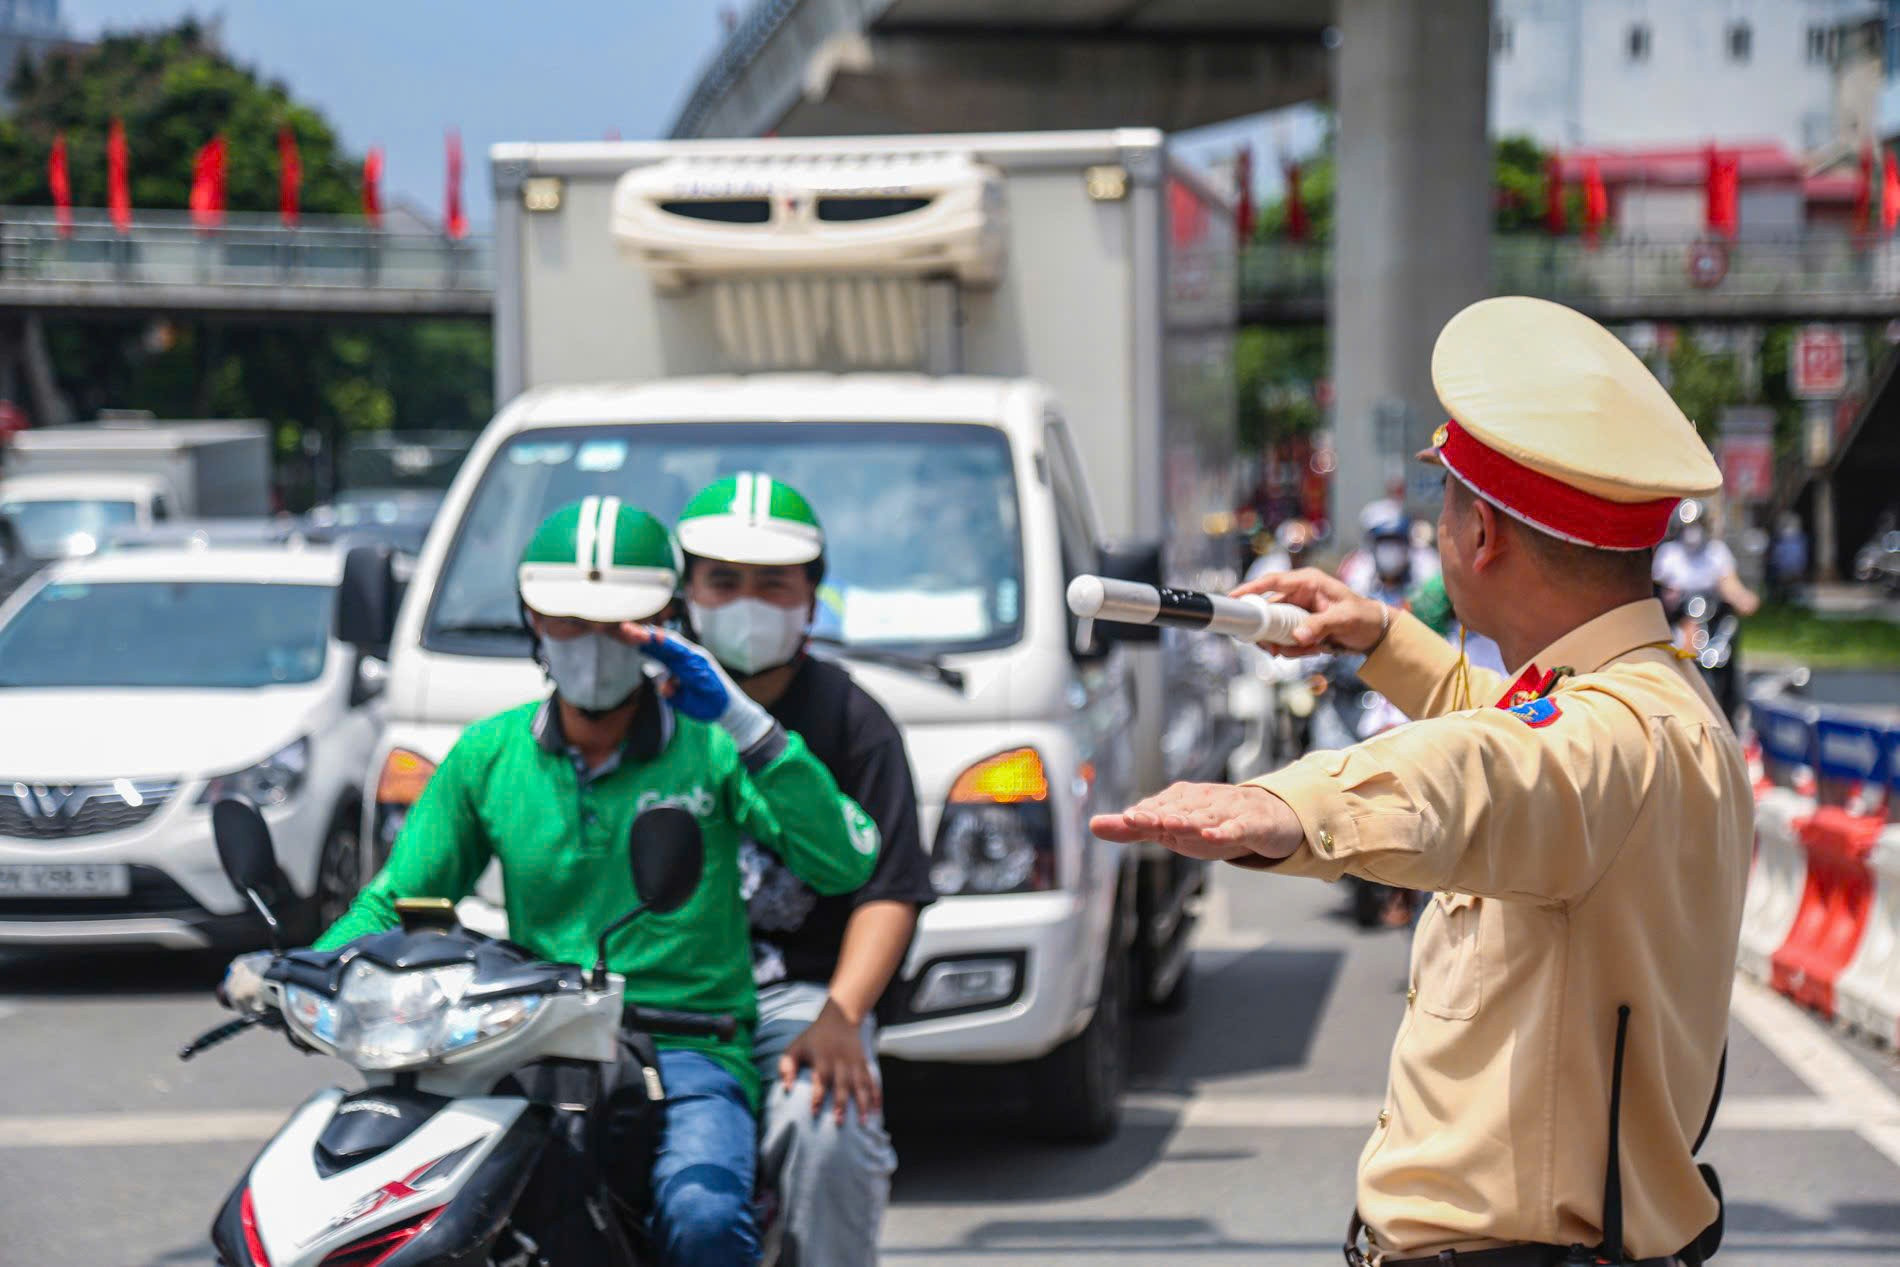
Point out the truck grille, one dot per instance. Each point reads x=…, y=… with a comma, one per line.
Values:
x=40, y=811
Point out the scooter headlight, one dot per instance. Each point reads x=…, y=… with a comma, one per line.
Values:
x=399, y=1020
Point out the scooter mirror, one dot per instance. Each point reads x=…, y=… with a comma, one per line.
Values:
x=668, y=857
x=244, y=844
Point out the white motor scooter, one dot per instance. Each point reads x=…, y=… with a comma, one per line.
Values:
x=492, y=1132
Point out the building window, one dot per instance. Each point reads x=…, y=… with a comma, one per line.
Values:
x=1501, y=38
x=1823, y=45
x=1637, y=43
x=1741, y=41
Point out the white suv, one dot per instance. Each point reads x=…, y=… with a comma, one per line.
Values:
x=137, y=687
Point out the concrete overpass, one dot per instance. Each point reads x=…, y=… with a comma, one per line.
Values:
x=251, y=266
x=1409, y=80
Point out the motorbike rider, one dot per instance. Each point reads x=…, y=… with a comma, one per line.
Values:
x=1696, y=562
x=754, y=559
x=1390, y=564
x=550, y=788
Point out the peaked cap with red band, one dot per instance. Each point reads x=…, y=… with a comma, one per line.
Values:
x=1558, y=424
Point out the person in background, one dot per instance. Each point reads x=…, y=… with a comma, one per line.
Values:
x=1390, y=565
x=1696, y=562
x=1787, y=557
x=755, y=556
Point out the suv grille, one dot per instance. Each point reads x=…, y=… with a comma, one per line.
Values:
x=40, y=811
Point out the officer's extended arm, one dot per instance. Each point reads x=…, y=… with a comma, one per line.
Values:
x=1485, y=802
x=440, y=853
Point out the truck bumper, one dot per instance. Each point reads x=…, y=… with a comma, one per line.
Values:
x=965, y=941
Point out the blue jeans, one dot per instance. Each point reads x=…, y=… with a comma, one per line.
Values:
x=702, y=1179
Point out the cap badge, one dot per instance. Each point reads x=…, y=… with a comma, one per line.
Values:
x=1441, y=435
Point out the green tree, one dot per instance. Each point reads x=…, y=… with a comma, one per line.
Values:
x=174, y=89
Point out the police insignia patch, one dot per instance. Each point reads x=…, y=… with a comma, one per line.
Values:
x=1537, y=712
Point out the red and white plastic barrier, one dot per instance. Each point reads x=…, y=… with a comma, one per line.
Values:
x=1779, y=877
x=1868, y=993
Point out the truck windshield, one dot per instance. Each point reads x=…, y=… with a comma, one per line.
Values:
x=922, y=544
x=167, y=634
x=52, y=529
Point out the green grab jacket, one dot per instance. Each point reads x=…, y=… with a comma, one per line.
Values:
x=509, y=790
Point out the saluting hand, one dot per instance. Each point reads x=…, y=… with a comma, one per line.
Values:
x=1341, y=620
x=1213, y=821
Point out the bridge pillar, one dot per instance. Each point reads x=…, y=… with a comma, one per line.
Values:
x=1411, y=230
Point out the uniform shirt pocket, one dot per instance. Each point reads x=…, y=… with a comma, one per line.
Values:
x=1450, y=958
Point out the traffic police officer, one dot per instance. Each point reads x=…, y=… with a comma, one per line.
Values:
x=1588, y=825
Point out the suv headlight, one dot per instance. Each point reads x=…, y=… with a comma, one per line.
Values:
x=271, y=781
x=996, y=835
x=399, y=1020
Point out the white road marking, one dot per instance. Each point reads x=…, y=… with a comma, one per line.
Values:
x=121, y=1130
x=1802, y=1045
x=1266, y=1112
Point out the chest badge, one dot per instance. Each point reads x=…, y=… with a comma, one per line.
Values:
x=1536, y=713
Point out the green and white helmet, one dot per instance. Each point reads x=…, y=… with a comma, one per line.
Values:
x=599, y=559
x=751, y=518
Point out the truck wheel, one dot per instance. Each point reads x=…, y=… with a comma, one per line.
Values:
x=1175, y=1001
x=1078, y=1086
x=339, y=871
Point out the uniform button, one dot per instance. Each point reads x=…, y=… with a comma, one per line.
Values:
x=1384, y=1117
x=1411, y=996
x=1325, y=839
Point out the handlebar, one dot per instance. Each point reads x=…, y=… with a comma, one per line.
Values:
x=663, y=1020
x=223, y=1033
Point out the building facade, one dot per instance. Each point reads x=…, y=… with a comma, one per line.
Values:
x=1638, y=73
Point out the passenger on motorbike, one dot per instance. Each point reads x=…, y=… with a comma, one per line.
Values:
x=550, y=789
x=1695, y=562
x=755, y=556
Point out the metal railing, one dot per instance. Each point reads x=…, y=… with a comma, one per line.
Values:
x=1633, y=277
x=165, y=249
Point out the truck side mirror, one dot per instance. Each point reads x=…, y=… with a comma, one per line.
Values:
x=366, y=599
x=1129, y=561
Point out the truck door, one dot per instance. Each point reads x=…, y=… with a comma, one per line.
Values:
x=1103, y=692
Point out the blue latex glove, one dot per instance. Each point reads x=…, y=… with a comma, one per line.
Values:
x=702, y=690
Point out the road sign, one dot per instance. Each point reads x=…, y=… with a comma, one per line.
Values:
x=1818, y=363
x=1748, y=466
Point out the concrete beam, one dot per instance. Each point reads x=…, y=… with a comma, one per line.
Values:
x=262, y=302
x=1021, y=80
x=1412, y=220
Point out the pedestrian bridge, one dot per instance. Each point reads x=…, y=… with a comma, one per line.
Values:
x=251, y=265
x=1805, y=278
x=336, y=267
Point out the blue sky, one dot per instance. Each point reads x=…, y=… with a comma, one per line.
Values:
x=398, y=73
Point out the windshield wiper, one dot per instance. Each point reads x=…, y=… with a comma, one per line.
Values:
x=492, y=628
x=931, y=667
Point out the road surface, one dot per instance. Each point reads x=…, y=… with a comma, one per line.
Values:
x=1242, y=1131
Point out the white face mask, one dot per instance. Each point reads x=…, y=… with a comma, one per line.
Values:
x=749, y=635
x=594, y=672
x=1391, y=557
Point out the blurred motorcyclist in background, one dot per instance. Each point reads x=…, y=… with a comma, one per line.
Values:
x=1390, y=564
x=1697, y=562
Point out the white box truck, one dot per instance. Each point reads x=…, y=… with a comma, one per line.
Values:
x=66, y=489
x=953, y=345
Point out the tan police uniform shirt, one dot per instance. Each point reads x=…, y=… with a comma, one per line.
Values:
x=1590, y=854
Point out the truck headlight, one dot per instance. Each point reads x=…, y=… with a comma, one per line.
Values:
x=398, y=1020
x=271, y=781
x=996, y=835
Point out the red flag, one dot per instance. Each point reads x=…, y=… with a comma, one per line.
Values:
x=373, y=187
x=1864, y=192
x=1297, y=226
x=1554, y=219
x=1889, y=193
x=56, y=176
x=207, y=185
x=289, y=175
x=1596, y=200
x=454, y=223
x=1724, y=192
x=1243, y=203
x=118, y=182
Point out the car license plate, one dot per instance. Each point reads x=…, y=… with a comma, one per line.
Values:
x=65, y=879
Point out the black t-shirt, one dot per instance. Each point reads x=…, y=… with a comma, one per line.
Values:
x=796, y=934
